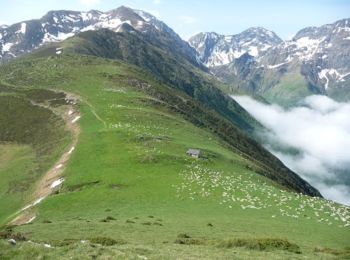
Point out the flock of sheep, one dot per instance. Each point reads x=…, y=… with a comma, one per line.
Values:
x=250, y=192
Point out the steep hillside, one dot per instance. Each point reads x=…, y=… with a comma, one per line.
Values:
x=130, y=190
x=168, y=66
x=32, y=137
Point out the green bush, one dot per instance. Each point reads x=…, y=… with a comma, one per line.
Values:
x=261, y=244
x=107, y=241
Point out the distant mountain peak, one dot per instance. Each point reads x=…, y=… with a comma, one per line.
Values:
x=216, y=50
x=59, y=25
x=317, y=56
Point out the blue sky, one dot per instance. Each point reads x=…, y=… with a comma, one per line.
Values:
x=188, y=17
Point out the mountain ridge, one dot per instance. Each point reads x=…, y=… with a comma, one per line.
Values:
x=318, y=56
x=141, y=99
x=55, y=26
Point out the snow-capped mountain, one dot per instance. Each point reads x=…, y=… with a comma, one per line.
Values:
x=216, y=50
x=256, y=60
x=56, y=26
x=320, y=55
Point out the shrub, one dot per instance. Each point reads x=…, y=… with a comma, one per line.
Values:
x=107, y=241
x=107, y=219
x=9, y=234
x=262, y=244
x=341, y=253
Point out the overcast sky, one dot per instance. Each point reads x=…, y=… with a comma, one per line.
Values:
x=188, y=17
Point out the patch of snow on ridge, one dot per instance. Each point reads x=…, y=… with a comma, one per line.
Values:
x=56, y=38
x=307, y=42
x=86, y=16
x=305, y=47
x=7, y=47
x=323, y=74
x=277, y=65
x=238, y=54
x=253, y=51
x=219, y=58
x=143, y=15
x=23, y=28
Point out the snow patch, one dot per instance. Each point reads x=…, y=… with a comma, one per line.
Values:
x=75, y=119
x=56, y=38
x=7, y=47
x=307, y=42
x=277, y=65
x=59, y=166
x=88, y=28
x=266, y=47
x=253, y=51
x=238, y=54
x=326, y=73
x=38, y=201
x=86, y=16
x=23, y=28
x=57, y=183
x=228, y=38
x=71, y=150
x=31, y=220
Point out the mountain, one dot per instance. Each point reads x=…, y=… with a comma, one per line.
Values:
x=315, y=60
x=95, y=132
x=101, y=170
x=55, y=26
x=215, y=50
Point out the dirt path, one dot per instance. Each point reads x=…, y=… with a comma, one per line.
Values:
x=52, y=180
x=95, y=114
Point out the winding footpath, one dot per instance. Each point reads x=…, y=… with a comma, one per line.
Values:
x=52, y=179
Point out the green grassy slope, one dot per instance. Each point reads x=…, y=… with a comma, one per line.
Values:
x=290, y=90
x=16, y=164
x=32, y=137
x=130, y=183
x=53, y=69
x=169, y=67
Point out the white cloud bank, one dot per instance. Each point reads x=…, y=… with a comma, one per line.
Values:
x=320, y=131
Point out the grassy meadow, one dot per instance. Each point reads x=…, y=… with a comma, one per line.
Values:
x=130, y=190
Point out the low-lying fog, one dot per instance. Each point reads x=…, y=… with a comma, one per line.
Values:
x=319, y=132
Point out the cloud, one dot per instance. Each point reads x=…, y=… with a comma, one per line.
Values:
x=188, y=19
x=319, y=130
x=89, y=2
x=157, y=2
